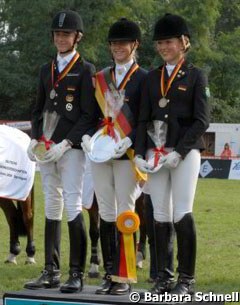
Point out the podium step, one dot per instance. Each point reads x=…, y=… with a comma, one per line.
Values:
x=55, y=297
x=86, y=297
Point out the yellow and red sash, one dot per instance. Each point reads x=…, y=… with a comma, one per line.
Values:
x=104, y=81
x=123, y=122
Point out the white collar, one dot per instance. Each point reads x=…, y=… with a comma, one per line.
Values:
x=124, y=67
x=170, y=68
x=66, y=58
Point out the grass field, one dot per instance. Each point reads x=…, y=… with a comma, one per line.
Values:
x=217, y=214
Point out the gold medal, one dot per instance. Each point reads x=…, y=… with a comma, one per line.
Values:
x=163, y=102
x=52, y=94
x=69, y=98
x=40, y=150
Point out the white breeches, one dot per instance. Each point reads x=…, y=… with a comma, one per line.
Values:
x=115, y=187
x=88, y=189
x=172, y=190
x=62, y=185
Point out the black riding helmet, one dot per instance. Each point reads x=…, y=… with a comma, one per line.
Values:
x=67, y=21
x=124, y=30
x=170, y=26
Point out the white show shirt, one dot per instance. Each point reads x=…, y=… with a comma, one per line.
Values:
x=64, y=60
x=170, y=68
x=121, y=71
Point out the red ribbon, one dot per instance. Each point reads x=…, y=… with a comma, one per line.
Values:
x=109, y=125
x=47, y=142
x=157, y=152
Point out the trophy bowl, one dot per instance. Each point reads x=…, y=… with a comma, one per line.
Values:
x=39, y=151
x=103, y=146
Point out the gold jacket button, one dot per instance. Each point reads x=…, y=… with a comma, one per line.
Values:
x=166, y=116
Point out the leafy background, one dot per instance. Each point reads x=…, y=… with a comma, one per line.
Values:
x=26, y=43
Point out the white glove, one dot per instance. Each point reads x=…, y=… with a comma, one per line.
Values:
x=141, y=164
x=30, y=149
x=57, y=151
x=86, y=145
x=122, y=147
x=171, y=160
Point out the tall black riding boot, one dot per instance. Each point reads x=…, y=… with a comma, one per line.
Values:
x=94, y=233
x=164, y=237
x=78, y=253
x=186, y=241
x=50, y=277
x=108, y=238
x=150, y=229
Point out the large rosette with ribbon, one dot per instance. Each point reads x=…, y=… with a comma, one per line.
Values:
x=127, y=223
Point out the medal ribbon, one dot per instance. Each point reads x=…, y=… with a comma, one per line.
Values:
x=64, y=71
x=158, y=151
x=47, y=142
x=164, y=90
x=126, y=78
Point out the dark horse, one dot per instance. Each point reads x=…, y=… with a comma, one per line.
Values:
x=19, y=215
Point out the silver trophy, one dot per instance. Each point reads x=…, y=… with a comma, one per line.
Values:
x=50, y=121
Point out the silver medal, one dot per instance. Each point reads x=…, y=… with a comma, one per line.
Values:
x=163, y=102
x=52, y=94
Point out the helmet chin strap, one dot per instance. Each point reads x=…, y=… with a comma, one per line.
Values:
x=68, y=51
x=133, y=49
x=72, y=48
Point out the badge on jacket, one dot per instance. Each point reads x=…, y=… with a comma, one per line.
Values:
x=69, y=107
x=182, y=87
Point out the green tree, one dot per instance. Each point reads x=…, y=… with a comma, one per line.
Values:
x=225, y=78
x=26, y=43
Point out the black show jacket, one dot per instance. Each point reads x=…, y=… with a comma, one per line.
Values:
x=187, y=113
x=75, y=118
